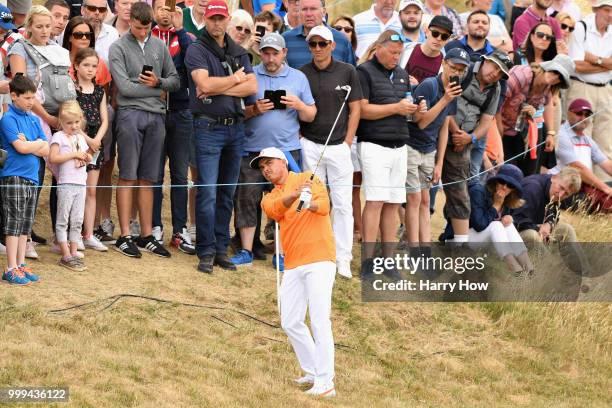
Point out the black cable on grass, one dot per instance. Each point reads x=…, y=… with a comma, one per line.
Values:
x=115, y=298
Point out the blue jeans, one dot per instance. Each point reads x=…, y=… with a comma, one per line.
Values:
x=218, y=155
x=477, y=154
x=179, y=131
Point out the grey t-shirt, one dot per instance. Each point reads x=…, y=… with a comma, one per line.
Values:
x=470, y=101
x=19, y=49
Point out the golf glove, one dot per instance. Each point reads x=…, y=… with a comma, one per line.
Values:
x=305, y=197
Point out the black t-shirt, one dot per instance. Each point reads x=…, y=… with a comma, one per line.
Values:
x=325, y=87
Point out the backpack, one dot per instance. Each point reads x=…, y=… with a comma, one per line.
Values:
x=53, y=64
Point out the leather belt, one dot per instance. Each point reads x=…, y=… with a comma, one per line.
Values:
x=589, y=83
x=220, y=120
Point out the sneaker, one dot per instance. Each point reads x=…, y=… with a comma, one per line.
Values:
x=344, y=269
x=28, y=273
x=127, y=247
x=108, y=226
x=224, y=262
x=325, y=391
x=158, y=234
x=135, y=228
x=74, y=264
x=94, y=243
x=2, y=249
x=182, y=241
x=307, y=380
x=80, y=245
x=30, y=250
x=102, y=236
x=282, y=263
x=206, y=264
x=242, y=258
x=192, y=232
x=150, y=244
x=37, y=238
x=16, y=276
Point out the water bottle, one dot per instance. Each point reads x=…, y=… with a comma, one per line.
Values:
x=538, y=117
x=408, y=97
x=520, y=120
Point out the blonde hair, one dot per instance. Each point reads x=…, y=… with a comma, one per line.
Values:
x=71, y=109
x=35, y=11
x=241, y=17
x=564, y=16
x=571, y=175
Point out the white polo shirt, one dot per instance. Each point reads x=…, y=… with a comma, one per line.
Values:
x=573, y=148
x=368, y=27
x=595, y=43
x=108, y=35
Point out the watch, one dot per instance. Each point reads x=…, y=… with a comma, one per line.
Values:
x=599, y=61
x=474, y=139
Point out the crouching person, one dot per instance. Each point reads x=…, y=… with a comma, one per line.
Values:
x=310, y=268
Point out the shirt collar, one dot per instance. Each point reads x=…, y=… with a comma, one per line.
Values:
x=488, y=48
x=405, y=39
x=17, y=110
x=329, y=68
x=261, y=70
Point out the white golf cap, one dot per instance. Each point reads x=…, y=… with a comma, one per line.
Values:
x=322, y=31
x=268, y=153
x=405, y=3
x=601, y=3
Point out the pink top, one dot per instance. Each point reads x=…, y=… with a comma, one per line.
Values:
x=527, y=21
x=68, y=172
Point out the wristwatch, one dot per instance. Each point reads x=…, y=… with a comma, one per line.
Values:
x=474, y=139
x=599, y=61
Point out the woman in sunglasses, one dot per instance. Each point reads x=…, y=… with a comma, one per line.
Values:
x=79, y=34
x=567, y=24
x=539, y=46
x=240, y=28
x=491, y=223
x=346, y=25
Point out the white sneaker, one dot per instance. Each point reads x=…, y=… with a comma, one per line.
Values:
x=306, y=380
x=344, y=269
x=80, y=255
x=30, y=250
x=134, y=228
x=2, y=249
x=108, y=226
x=325, y=391
x=158, y=234
x=95, y=244
x=192, y=232
x=80, y=245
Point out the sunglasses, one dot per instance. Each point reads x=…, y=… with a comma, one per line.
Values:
x=346, y=29
x=584, y=113
x=321, y=44
x=436, y=34
x=566, y=27
x=544, y=36
x=241, y=29
x=93, y=9
x=80, y=35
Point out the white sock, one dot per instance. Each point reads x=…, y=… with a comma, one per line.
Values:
x=460, y=238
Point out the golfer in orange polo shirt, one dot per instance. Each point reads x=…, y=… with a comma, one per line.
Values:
x=310, y=266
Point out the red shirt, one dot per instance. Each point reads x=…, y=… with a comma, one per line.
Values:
x=421, y=66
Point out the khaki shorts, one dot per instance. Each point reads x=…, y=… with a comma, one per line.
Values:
x=420, y=170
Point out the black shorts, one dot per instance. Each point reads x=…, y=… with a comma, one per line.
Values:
x=456, y=170
x=18, y=205
x=248, y=197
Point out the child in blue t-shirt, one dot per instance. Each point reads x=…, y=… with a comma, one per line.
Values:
x=23, y=139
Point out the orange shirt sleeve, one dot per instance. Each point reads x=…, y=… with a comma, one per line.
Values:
x=103, y=76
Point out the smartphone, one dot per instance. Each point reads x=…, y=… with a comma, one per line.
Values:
x=146, y=69
x=275, y=97
x=260, y=30
x=455, y=79
x=418, y=101
x=171, y=4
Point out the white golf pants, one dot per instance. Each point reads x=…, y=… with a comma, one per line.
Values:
x=506, y=240
x=310, y=287
x=336, y=169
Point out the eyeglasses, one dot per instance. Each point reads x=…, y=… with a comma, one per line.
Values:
x=80, y=35
x=459, y=70
x=321, y=44
x=241, y=29
x=584, y=113
x=436, y=34
x=544, y=36
x=346, y=29
x=93, y=9
x=566, y=27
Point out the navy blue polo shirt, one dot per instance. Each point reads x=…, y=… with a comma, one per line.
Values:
x=299, y=53
x=426, y=140
x=474, y=54
x=199, y=57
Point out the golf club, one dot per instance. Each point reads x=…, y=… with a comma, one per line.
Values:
x=348, y=89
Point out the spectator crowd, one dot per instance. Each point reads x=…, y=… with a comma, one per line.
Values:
x=505, y=111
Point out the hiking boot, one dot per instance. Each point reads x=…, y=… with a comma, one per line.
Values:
x=150, y=244
x=206, y=264
x=16, y=277
x=224, y=262
x=242, y=258
x=182, y=241
x=127, y=247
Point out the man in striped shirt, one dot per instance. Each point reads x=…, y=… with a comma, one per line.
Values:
x=371, y=23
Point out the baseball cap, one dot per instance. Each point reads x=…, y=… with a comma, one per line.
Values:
x=216, y=8
x=322, y=32
x=6, y=18
x=272, y=40
x=502, y=60
x=405, y=3
x=442, y=22
x=579, y=105
x=601, y=3
x=270, y=153
x=458, y=56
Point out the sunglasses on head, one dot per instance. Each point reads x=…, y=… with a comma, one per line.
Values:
x=93, y=9
x=241, y=29
x=566, y=27
x=436, y=34
x=544, y=36
x=321, y=44
x=346, y=29
x=80, y=35
x=584, y=113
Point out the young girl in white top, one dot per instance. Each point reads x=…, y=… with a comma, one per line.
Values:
x=69, y=152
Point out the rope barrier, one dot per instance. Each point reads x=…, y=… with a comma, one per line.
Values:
x=442, y=185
